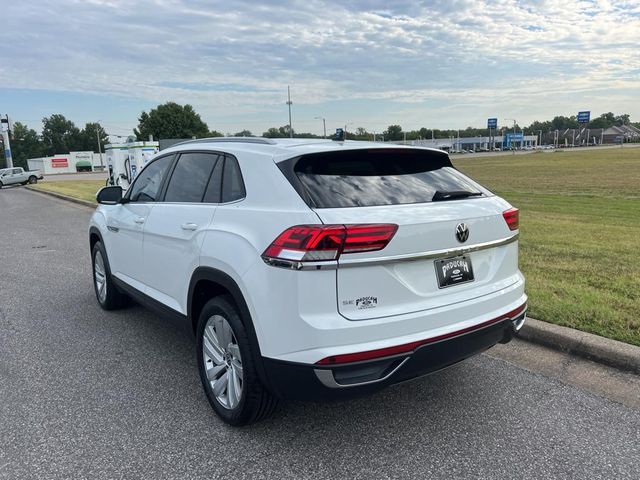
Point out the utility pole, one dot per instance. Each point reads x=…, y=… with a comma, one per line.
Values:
x=4, y=126
x=289, y=104
x=345, y=129
x=324, y=125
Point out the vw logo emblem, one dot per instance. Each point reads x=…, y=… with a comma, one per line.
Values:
x=462, y=232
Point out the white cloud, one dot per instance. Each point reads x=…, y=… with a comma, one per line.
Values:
x=237, y=57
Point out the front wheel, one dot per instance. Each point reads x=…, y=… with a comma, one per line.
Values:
x=32, y=179
x=108, y=295
x=227, y=365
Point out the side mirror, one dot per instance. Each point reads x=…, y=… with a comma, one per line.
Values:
x=111, y=195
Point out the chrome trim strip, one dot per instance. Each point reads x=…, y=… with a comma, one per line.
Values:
x=295, y=265
x=450, y=252
x=328, y=380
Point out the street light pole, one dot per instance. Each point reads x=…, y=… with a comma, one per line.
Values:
x=99, y=146
x=289, y=104
x=324, y=126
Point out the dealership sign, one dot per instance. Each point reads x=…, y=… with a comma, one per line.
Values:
x=513, y=137
x=492, y=123
x=59, y=163
x=583, y=117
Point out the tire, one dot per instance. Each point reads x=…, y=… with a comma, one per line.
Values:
x=107, y=294
x=232, y=359
x=1, y=185
x=32, y=179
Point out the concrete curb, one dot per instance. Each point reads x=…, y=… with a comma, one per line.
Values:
x=63, y=197
x=616, y=354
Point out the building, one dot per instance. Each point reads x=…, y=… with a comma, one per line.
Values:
x=478, y=144
x=71, y=162
x=623, y=133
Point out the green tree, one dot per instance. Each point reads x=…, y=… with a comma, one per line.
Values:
x=243, y=133
x=171, y=120
x=280, y=132
x=215, y=133
x=272, y=132
x=59, y=135
x=89, y=137
x=393, y=133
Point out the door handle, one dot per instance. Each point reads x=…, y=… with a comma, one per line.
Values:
x=189, y=226
x=139, y=219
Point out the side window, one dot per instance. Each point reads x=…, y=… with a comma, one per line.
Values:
x=17, y=171
x=232, y=184
x=147, y=185
x=190, y=177
x=214, y=189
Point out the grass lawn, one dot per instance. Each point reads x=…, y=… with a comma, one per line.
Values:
x=580, y=233
x=82, y=189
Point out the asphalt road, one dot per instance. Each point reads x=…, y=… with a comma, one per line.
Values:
x=90, y=394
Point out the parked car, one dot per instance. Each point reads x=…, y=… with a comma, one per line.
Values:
x=311, y=269
x=18, y=175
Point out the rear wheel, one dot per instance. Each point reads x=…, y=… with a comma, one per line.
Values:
x=227, y=365
x=108, y=295
x=32, y=179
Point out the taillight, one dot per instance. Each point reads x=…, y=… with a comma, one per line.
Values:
x=512, y=217
x=317, y=243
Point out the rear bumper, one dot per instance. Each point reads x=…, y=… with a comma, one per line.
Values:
x=298, y=381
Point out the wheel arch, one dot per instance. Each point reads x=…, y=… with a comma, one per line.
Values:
x=94, y=237
x=207, y=283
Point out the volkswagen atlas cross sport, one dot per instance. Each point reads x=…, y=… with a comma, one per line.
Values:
x=311, y=269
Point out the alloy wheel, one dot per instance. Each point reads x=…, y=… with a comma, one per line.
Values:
x=100, y=276
x=222, y=361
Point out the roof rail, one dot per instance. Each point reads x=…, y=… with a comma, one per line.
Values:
x=260, y=140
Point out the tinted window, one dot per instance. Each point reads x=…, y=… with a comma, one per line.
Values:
x=360, y=178
x=214, y=189
x=147, y=184
x=232, y=184
x=190, y=177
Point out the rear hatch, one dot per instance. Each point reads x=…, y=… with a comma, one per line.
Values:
x=452, y=244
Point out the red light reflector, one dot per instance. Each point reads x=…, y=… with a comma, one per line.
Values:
x=512, y=217
x=368, y=238
x=315, y=243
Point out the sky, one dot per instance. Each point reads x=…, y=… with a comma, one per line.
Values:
x=435, y=64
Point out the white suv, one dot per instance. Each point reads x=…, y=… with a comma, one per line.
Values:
x=311, y=269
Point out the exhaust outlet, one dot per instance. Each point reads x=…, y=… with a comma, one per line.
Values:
x=517, y=323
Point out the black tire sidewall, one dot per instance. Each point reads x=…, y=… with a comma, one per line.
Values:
x=243, y=413
x=32, y=180
x=112, y=299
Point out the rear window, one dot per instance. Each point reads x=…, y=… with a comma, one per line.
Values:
x=362, y=178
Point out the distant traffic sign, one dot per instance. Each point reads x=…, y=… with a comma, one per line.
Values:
x=583, y=117
x=492, y=123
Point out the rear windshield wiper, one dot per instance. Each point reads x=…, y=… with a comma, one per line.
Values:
x=441, y=195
